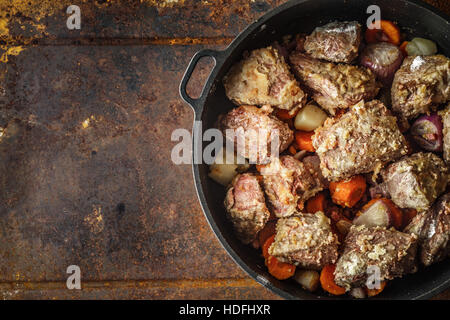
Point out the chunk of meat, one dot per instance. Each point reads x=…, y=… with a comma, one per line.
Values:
x=263, y=78
x=391, y=251
x=421, y=83
x=445, y=116
x=334, y=86
x=360, y=141
x=255, y=133
x=335, y=41
x=416, y=181
x=246, y=207
x=433, y=229
x=305, y=240
x=288, y=182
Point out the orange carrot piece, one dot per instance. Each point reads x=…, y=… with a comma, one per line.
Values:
x=266, y=245
x=304, y=141
x=285, y=114
x=267, y=231
x=348, y=193
x=280, y=270
x=389, y=32
x=316, y=203
x=292, y=150
x=327, y=281
x=403, y=48
x=374, y=292
x=408, y=215
x=396, y=213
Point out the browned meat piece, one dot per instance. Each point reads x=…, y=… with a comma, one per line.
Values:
x=254, y=132
x=360, y=141
x=335, y=41
x=445, y=115
x=421, y=83
x=246, y=207
x=305, y=240
x=393, y=252
x=334, y=86
x=263, y=78
x=416, y=181
x=433, y=229
x=289, y=182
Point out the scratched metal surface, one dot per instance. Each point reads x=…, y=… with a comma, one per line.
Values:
x=85, y=170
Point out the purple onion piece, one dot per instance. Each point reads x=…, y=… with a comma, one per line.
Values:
x=426, y=131
x=384, y=59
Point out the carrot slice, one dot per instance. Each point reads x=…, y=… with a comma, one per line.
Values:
x=280, y=270
x=266, y=232
x=396, y=213
x=292, y=150
x=348, y=193
x=285, y=114
x=403, y=48
x=327, y=281
x=408, y=215
x=389, y=32
x=316, y=203
x=374, y=292
x=304, y=141
x=266, y=245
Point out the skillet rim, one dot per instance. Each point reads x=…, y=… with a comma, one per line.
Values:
x=197, y=105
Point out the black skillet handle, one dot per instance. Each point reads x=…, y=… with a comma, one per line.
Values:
x=196, y=103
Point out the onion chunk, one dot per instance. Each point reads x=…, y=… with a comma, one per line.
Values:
x=427, y=132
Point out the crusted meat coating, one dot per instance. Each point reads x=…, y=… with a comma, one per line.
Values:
x=305, y=240
x=421, y=83
x=246, y=207
x=254, y=132
x=335, y=41
x=360, y=141
x=334, y=86
x=393, y=252
x=445, y=116
x=433, y=229
x=289, y=182
x=416, y=181
x=263, y=78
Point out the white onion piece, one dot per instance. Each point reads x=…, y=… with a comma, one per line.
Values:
x=223, y=172
x=421, y=47
x=308, y=279
x=358, y=293
x=309, y=117
x=378, y=214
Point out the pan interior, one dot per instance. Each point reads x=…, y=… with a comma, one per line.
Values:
x=303, y=17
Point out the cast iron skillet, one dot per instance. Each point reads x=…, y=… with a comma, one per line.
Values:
x=415, y=17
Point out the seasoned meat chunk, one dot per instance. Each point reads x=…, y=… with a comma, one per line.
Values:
x=393, y=252
x=305, y=240
x=246, y=207
x=421, y=83
x=263, y=78
x=255, y=133
x=289, y=182
x=334, y=86
x=416, y=181
x=445, y=115
x=360, y=141
x=433, y=229
x=335, y=41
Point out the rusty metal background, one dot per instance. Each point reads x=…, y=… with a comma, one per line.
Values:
x=85, y=172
